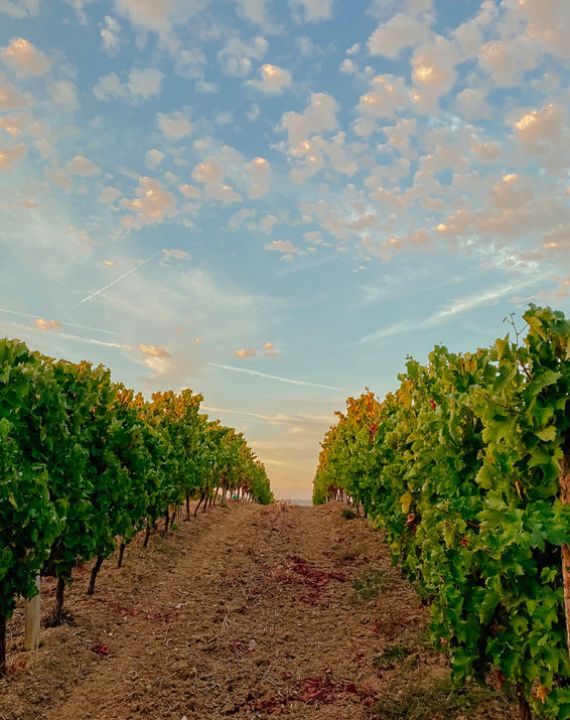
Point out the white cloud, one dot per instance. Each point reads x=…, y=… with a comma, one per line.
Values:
x=175, y=125
x=110, y=35
x=206, y=87
x=11, y=155
x=160, y=16
x=400, y=32
x=209, y=171
x=150, y=206
x=387, y=96
x=259, y=170
x=312, y=10
x=471, y=104
x=256, y=12
x=80, y=165
x=190, y=62
x=20, y=8
x=245, y=353
x=287, y=250
x=79, y=7
x=63, y=93
x=319, y=116
x=109, y=194
x=273, y=79
x=153, y=158
x=433, y=73
x=236, y=57
x=24, y=58
x=506, y=61
x=10, y=97
x=141, y=84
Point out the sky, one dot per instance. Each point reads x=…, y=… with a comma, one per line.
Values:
x=274, y=202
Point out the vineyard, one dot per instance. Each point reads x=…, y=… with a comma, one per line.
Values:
x=86, y=463
x=466, y=469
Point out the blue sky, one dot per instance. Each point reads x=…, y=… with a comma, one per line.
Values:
x=274, y=202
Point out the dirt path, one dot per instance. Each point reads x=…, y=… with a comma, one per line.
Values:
x=248, y=612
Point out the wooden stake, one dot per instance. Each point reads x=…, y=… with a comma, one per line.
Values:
x=33, y=610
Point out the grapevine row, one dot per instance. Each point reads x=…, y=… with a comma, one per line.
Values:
x=466, y=468
x=84, y=461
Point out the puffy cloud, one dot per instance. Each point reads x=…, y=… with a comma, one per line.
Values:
x=433, y=73
x=400, y=32
x=539, y=127
x=224, y=193
x=259, y=170
x=312, y=10
x=110, y=35
x=206, y=87
x=190, y=62
x=471, y=104
x=320, y=116
x=79, y=7
x=155, y=357
x=80, y=165
x=47, y=325
x=63, y=93
x=170, y=255
x=548, y=23
x=11, y=155
x=12, y=125
x=256, y=12
x=20, y=8
x=175, y=125
x=24, y=58
x=238, y=218
x=386, y=97
x=486, y=151
x=151, y=205
x=10, y=98
x=269, y=350
x=244, y=353
x=141, y=84
x=190, y=191
x=505, y=61
x=287, y=249
x=153, y=158
x=544, y=134
x=273, y=79
x=160, y=16
x=209, y=171
x=109, y=194
x=144, y=83
x=236, y=57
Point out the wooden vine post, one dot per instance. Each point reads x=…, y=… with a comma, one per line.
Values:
x=565, y=499
x=33, y=610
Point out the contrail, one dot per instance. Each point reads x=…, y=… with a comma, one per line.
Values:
x=114, y=282
x=121, y=277
x=256, y=373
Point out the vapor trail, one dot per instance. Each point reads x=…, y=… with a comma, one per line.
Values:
x=114, y=282
x=121, y=277
x=266, y=376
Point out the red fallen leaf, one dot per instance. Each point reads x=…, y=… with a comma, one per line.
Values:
x=464, y=542
x=101, y=649
x=433, y=405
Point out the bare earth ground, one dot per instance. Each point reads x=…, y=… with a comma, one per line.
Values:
x=243, y=613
